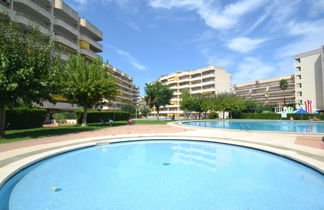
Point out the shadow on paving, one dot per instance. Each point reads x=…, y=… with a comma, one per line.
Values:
x=17, y=135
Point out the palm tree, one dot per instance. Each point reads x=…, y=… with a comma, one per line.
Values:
x=283, y=86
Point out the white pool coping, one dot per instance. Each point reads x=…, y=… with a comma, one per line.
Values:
x=286, y=148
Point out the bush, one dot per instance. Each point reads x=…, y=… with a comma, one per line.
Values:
x=59, y=118
x=277, y=116
x=97, y=116
x=24, y=118
x=212, y=115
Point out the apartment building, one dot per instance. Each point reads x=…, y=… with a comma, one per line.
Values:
x=267, y=91
x=74, y=34
x=207, y=80
x=127, y=90
x=309, y=71
x=54, y=17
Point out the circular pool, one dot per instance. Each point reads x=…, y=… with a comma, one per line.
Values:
x=262, y=125
x=168, y=174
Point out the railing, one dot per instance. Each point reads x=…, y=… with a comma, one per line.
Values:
x=66, y=26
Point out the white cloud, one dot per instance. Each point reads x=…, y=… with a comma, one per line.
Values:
x=252, y=69
x=129, y=58
x=244, y=44
x=213, y=14
x=130, y=23
x=126, y=4
x=308, y=36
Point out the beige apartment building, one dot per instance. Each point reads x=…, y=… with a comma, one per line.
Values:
x=267, y=91
x=127, y=90
x=74, y=34
x=54, y=17
x=309, y=71
x=207, y=80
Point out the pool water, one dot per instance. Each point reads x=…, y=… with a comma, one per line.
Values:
x=166, y=175
x=262, y=125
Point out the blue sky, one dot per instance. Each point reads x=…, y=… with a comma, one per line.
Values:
x=251, y=39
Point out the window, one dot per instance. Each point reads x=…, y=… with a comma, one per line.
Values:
x=298, y=69
x=298, y=76
x=297, y=60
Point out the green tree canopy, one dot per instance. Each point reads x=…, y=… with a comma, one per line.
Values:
x=87, y=83
x=228, y=102
x=29, y=67
x=129, y=107
x=157, y=95
x=283, y=84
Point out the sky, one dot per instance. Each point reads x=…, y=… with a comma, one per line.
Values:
x=251, y=39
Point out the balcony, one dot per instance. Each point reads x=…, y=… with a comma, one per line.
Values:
x=89, y=53
x=98, y=47
x=66, y=42
x=4, y=8
x=64, y=9
x=34, y=6
x=24, y=19
x=91, y=28
x=66, y=26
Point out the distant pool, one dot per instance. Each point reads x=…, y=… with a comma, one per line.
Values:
x=262, y=125
x=170, y=174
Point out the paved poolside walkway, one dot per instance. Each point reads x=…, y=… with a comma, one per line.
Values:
x=305, y=148
x=109, y=131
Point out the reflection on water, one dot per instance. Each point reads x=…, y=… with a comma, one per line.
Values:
x=199, y=155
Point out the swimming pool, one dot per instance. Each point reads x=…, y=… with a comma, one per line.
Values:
x=165, y=175
x=262, y=125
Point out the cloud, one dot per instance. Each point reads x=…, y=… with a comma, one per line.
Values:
x=125, y=4
x=129, y=58
x=244, y=44
x=308, y=35
x=252, y=69
x=213, y=14
x=130, y=23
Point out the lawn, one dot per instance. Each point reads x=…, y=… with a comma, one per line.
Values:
x=25, y=134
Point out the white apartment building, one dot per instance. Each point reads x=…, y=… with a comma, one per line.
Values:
x=267, y=91
x=309, y=71
x=207, y=80
x=127, y=90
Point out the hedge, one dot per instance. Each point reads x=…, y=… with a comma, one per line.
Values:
x=97, y=116
x=277, y=116
x=24, y=118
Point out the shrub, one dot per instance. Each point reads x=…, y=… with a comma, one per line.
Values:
x=24, y=118
x=59, y=118
x=212, y=115
x=97, y=116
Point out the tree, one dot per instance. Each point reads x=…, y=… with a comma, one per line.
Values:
x=228, y=102
x=283, y=84
x=29, y=68
x=157, y=95
x=129, y=107
x=87, y=83
x=145, y=111
x=185, y=101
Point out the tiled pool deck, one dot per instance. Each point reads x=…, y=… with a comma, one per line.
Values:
x=305, y=148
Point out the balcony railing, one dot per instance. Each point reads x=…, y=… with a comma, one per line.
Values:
x=66, y=26
x=91, y=28
x=89, y=53
x=93, y=43
x=37, y=8
x=66, y=42
x=26, y=20
x=60, y=5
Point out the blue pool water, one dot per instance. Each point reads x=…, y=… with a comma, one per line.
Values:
x=262, y=125
x=165, y=175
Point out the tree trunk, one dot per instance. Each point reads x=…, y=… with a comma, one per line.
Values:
x=85, y=116
x=284, y=97
x=199, y=113
x=158, y=113
x=2, y=122
x=223, y=114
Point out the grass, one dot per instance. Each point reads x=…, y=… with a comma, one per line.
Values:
x=25, y=134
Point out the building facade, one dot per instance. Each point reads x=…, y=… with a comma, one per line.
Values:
x=55, y=18
x=207, y=80
x=267, y=91
x=309, y=71
x=128, y=92
x=75, y=35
